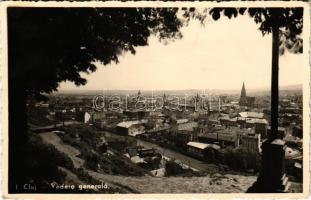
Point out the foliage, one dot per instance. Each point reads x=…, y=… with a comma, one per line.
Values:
x=102, y=162
x=151, y=162
x=88, y=135
x=288, y=20
x=42, y=164
x=49, y=153
x=174, y=169
x=121, y=143
x=37, y=117
x=211, y=155
x=123, y=166
x=150, y=124
x=239, y=159
x=92, y=160
x=67, y=41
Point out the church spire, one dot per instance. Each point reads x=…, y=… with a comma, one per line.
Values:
x=243, y=92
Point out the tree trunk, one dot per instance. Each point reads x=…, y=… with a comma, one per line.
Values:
x=18, y=139
x=275, y=83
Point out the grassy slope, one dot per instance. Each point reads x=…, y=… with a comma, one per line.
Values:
x=209, y=184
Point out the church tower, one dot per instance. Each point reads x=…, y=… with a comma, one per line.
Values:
x=164, y=100
x=243, y=98
x=243, y=92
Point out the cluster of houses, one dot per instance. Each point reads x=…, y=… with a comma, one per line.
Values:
x=151, y=160
x=218, y=124
x=246, y=132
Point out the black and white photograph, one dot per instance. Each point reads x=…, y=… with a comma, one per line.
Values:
x=156, y=98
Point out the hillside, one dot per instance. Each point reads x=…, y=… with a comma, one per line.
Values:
x=148, y=184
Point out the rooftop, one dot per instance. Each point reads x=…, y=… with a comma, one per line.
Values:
x=181, y=121
x=234, y=130
x=259, y=121
x=251, y=114
x=128, y=124
x=200, y=145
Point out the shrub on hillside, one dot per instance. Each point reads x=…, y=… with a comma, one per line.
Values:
x=174, y=169
x=239, y=159
x=121, y=143
x=123, y=166
x=37, y=116
x=48, y=152
x=92, y=160
x=42, y=165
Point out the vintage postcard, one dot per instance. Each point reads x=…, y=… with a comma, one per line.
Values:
x=156, y=100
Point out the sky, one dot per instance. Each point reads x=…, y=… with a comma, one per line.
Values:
x=219, y=55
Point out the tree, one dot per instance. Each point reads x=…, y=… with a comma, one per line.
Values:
x=286, y=25
x=59, y=43
x=49, y=45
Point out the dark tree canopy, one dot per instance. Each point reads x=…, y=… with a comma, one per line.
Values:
x=50, y=45
x=288, y=20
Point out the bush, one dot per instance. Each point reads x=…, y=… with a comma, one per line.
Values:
x=42, y=165
x=92, y=160
x=238, y=159
x=123, y=166
x=37, y=116
x=174, y=169
x=49, y=153
x=121, y=143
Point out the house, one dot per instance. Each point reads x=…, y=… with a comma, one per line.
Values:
x=260, y=126
x=91, y=117
x=181, y=121
x=137, y=160
x=132, y=128
x=250, y=142
x=224, y=136
x=146, y=152
x=187, y=126
x=87, y=117
x=227, y=121
x=198, y=149
x=181, y=138
x=257, y=115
